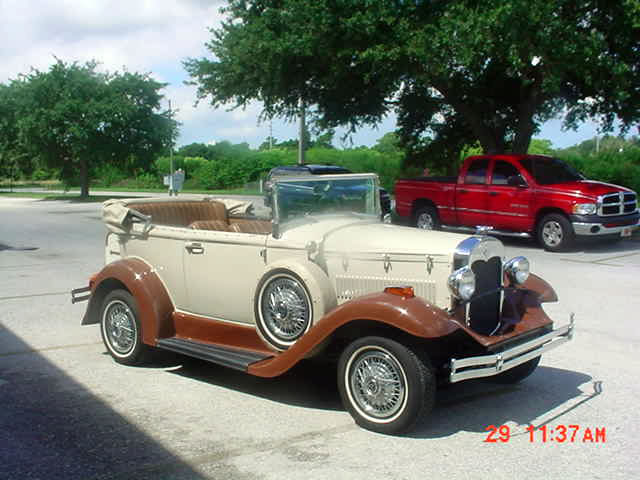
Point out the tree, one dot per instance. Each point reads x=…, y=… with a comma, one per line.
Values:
x=495, y=70
x=75, y=118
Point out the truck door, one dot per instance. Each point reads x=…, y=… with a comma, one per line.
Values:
x=509, y=198
x=471, y=194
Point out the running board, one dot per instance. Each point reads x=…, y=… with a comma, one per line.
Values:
x=486, y=231
x=228, y=357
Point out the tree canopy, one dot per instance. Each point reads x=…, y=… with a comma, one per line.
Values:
x=74, y=118
x=455, y=71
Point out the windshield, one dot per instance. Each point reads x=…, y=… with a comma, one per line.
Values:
x=547, y=170
x=326, y=195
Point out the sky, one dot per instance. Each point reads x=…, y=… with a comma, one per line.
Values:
x=155, y=37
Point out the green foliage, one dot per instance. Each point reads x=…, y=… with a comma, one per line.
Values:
x=457, y=72
x=74, y=118
x=620, y=166
x=540, y=146
x=108, y=175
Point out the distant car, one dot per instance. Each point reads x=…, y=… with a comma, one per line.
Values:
x=301, y=170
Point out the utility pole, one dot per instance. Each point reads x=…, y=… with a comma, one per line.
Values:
x=301, y=133
x=170, y=158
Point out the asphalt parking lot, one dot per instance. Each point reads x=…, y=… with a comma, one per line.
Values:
x=68, y=411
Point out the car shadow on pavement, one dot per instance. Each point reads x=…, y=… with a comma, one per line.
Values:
x=309, y=384
x=547, y=395
x=53, y=427
x=467, y=406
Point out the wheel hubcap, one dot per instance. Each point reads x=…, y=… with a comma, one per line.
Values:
x=285, y=309
x=377, y=384
x=552, y=234
x=425, y=221
x=120, y=327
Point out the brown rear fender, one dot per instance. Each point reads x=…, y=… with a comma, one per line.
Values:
x=140, y=279
x=410, y=315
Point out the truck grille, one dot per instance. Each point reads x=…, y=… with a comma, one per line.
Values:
x=617, y=204
x=483, y=315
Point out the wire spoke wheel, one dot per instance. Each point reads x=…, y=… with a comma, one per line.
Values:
x=377, y=383
x=121, y=330
x=386, y=386
x=120, y=326
x=284, y=310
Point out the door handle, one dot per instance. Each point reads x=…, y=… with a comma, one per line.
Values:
x=493, y=194
x=194, y=248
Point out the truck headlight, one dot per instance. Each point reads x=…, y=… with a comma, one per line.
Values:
x=517, y=269
x=584, y=208
x=462, y=283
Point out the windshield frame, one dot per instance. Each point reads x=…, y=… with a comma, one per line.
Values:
x=277, y=219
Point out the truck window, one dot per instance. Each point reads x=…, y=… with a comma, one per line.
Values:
x=477, y=172
x=548, y=171
x=502, y=171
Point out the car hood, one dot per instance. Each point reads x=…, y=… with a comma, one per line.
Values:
x=586, y=188
x=348, y=235
x=379, y=238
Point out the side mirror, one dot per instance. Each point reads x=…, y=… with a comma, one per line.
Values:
x=516, y=181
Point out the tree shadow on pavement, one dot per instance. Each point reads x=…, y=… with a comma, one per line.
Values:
x=53, y=427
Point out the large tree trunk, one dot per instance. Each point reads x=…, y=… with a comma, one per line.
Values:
x=84, y=178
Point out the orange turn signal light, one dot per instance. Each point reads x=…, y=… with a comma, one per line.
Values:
x=406, y=292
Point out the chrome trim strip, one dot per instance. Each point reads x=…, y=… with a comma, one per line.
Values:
x=491, y=212
x=489, y=365
x=490, y=232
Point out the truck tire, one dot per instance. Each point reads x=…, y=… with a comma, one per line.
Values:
x=426, y=218
x=555, y=233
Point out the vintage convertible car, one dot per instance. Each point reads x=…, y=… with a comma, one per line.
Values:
x=400, y=310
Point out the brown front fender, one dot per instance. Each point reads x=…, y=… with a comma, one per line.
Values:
x=140, y=279
x=411, y=315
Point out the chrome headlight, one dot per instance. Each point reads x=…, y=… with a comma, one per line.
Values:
x=462, y=283
x=584, y=208
x=517, y=269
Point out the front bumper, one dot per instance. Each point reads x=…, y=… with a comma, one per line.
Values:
x=493, y=364
x=591, y=225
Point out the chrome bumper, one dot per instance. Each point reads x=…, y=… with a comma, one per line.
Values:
x=76, y=294
x=593, y=229
x=489, y=365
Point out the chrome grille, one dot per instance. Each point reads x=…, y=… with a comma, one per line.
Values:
x=483, y=315
x=617, y=204
x=484, y=255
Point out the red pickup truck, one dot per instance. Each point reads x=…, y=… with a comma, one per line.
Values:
x=520, y=195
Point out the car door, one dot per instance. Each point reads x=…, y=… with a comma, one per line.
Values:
x=509, y=198
x=221, y=270
x=471, y=194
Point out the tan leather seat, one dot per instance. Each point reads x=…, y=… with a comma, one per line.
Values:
x=261, y=227
x=181, y=214
x=219, y=225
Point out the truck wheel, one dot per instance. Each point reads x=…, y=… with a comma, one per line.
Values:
x=426, y=218
x=120, y=328
x=555, y=232
x=518, y=373
x=384, y=385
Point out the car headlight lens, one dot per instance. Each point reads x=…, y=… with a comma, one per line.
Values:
x=462, y=283
x=517, y=270
x=584, y=208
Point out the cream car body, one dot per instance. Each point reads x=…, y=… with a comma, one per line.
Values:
x=400, y=309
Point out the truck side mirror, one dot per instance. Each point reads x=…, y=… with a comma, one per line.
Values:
x=516, y=181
